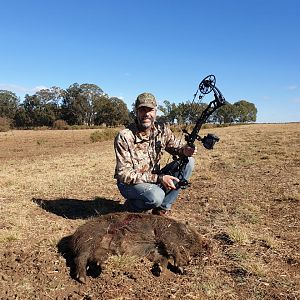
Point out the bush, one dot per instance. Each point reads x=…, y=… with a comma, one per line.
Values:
x=60, y=125
x=5, y=124
x=103, y=135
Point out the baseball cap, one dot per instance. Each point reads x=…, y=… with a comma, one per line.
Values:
x=145, y=99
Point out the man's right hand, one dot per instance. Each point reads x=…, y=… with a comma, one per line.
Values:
x=168, y=181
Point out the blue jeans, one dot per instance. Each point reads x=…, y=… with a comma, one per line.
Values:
x=144, y=196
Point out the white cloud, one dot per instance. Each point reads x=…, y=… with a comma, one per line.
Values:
x=18, y=89
x=292, y=87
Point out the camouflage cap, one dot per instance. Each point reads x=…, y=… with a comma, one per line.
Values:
x=145, y=99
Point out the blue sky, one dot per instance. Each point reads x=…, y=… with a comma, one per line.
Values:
x=161, y=46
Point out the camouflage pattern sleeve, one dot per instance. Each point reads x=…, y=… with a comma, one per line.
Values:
x=131, y=168
x=173, y=145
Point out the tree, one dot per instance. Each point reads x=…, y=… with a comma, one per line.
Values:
x=39, y=112
x=120, y=113
x=74, y=106
x=111, y=111
x=102, y=110
x=169, y=110
x=39, y=109
x=189, y=112
x=79, y=101
x=244, y=111
x=52, y=96
x=21, y=118
x=50, y=100
x=184, y=112
x=225, y=114
x=8, y=104
x=91, y=94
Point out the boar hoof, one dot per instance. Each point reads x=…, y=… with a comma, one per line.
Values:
x=180, y=270
x=82, y=279
x=156, y=270
x=176, y=269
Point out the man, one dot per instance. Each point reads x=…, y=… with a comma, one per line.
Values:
x=139, y=149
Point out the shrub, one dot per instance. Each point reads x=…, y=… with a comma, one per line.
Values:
x=60, y=125
x=5, y=124
x=103, y=135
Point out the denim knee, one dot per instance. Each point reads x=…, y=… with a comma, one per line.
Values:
x=189, y=167
x=142, y=196
x=154, y=196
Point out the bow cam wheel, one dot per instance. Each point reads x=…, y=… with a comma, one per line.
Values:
x=207, y=84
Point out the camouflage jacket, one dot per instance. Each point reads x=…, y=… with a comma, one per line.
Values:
x=138, y=156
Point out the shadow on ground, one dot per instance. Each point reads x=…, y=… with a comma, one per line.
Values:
x=79, y=209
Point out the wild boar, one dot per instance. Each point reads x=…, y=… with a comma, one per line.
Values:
x=160, y=239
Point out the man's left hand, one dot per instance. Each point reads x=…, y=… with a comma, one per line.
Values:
x=188, y=151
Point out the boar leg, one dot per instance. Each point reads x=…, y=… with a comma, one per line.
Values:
x=160, y=263
x=160, y=259
x=81, y=264
x=174, y=256
x=179, y=261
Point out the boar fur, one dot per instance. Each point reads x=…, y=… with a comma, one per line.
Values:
x=160, y=239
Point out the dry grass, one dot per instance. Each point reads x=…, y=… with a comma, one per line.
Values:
x=244, y=197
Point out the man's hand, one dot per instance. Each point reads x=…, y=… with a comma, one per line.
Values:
x=168, y=181
x=188, y=151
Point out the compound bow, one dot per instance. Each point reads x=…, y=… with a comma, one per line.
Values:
x=207, y=85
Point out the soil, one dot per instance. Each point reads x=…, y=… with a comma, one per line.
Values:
x=244, y=198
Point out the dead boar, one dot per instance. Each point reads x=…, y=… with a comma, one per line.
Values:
x=160, y=239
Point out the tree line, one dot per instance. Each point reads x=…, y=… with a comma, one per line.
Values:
x=188, y=112
x=84, y=104
x=87, y=104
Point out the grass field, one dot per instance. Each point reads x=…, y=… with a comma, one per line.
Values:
x=245, y=197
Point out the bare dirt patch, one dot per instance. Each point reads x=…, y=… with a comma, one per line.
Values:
x=244, y=197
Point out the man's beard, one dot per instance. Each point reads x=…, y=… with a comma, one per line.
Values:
x=144, y=126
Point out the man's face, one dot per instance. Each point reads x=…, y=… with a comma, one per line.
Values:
x=146, y=117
